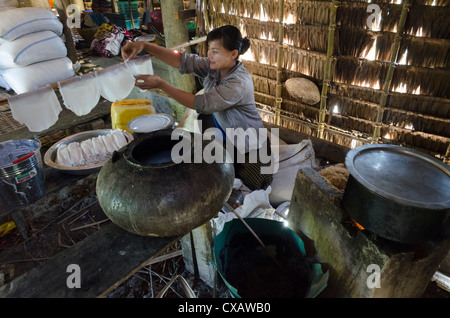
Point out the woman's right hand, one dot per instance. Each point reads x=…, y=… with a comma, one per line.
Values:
x=132, y=49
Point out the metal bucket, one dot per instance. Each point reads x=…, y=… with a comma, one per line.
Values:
x=22, y=178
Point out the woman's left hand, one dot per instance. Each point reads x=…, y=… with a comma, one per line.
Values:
x=148, y=81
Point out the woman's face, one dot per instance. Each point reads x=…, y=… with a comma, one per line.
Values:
x=219, y=57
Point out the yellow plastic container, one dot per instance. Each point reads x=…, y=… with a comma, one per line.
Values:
x=125, y=110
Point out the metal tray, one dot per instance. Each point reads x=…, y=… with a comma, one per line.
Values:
x=50, y=155
x=401, y=174
x=149, y=123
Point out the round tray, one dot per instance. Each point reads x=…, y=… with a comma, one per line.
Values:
x=401, y=174
x=50, y=155
x=150, y=123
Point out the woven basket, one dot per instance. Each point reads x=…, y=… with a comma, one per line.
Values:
x=303, y=89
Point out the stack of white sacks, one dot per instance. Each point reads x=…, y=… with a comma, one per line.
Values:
x=32, y=53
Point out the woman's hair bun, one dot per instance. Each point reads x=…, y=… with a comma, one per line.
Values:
x=245, y=44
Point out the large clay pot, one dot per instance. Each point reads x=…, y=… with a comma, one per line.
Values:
x=143, y=191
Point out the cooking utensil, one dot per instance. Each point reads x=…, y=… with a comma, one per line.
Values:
x=397, y=193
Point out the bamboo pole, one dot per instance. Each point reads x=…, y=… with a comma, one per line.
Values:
x=327, y=72
x=447, y=155
x=130, y=8
x=279, y=89
x=394, y=56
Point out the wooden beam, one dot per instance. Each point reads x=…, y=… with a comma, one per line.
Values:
x=106, y=259
x=185, y=14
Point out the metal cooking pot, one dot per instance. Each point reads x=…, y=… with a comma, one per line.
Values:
x=398, y=193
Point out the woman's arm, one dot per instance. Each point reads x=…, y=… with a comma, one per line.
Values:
x=168, y=56
x=153, y=81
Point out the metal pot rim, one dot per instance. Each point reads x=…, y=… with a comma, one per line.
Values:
x=359, y=176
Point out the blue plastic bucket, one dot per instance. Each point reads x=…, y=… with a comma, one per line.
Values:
x=249, y=272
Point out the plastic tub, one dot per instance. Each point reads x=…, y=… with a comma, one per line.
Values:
x=122, y=112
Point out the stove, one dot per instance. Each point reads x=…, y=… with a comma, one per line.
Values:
x=361, y=264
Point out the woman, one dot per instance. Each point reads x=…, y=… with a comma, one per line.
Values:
x=228, y=92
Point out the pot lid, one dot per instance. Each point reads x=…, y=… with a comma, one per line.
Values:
x=400, y=174
x=149, y=123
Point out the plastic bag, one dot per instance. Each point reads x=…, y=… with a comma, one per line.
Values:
x=5, y=228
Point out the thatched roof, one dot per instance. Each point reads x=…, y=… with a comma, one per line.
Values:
x=416, y=110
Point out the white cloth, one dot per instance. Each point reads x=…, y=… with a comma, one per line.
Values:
x=30, y=77
x=38, y=109
x=17, y=22
x=256, y=205
x=80, y=94
x=115, y=82
x=31, y=48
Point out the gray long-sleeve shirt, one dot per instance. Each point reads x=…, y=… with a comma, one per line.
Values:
x=231, y=99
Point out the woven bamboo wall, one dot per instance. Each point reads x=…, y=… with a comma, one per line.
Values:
x=416, y=112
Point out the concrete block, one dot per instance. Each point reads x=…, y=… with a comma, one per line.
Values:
x=357, y=259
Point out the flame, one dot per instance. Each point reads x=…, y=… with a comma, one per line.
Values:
x=358, y=225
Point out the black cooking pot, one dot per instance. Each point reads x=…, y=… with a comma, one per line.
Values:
x=143, y=191
x=398, y=193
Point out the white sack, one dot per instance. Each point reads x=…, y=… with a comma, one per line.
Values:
x=6, y=8
x=27, y=78
x=291, y=158
x=21, y=21
x=38, y=109
x=31, y=48
x=9, y=3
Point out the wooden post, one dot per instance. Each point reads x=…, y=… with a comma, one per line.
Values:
x=70, y=45
x=130, y=8
x=279, y=90
x=447, y=155
x=327, y=72
x=390, y=73
x=175, y=32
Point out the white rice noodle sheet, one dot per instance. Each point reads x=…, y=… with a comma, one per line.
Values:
x=115, y=82
x=142, y=65
x=80, y=94
x=38, y=110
